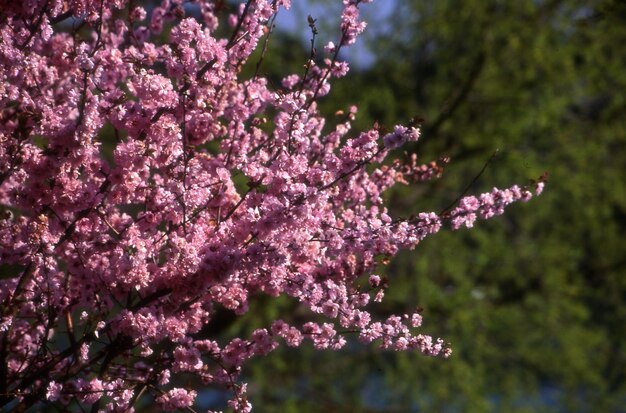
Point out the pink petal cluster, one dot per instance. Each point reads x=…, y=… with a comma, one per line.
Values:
x=175, y=399
x=147, y=188
x=489, y=204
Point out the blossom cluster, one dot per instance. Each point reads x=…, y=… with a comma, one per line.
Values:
x=144, y=191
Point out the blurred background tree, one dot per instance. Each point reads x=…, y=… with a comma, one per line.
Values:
x=534, y=302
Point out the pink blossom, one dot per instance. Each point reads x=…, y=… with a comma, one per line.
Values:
x=54, y=391
x=219, y=188
x=176, y=398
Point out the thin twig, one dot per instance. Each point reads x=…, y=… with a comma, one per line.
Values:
x=469, y=186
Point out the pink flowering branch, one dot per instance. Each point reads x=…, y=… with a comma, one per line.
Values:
x=127, y=255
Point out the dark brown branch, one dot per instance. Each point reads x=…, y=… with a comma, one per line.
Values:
x=233, y=37
x=150, y=298
x=458, y=97
x=61, y=17
x=266, y=42
x=469, y=186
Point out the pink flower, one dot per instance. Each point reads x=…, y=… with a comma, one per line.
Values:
x=54, y=391
x=374, y=280
x=176, y=398
x=155, y=187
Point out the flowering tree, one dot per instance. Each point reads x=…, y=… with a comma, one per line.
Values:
x=219, y=187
